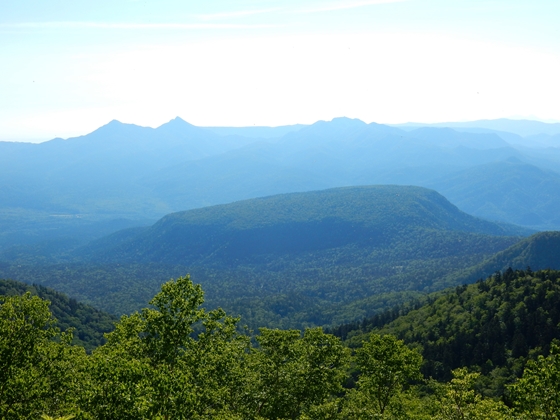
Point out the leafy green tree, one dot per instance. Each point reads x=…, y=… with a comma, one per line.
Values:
x=386, y=366
x=458, y=400
x=294, y=373
x=155, y=365
x=537, y=393
x=37, y=374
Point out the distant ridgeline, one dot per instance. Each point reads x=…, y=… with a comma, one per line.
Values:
x=291, y=260
x=89, y=324
x=495, y=325
x=123, y=175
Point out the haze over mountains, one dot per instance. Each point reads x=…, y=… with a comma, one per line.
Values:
x=122, y=175
x=65, y=203
x=523, y=128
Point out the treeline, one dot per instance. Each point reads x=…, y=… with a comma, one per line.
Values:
x=176, y=360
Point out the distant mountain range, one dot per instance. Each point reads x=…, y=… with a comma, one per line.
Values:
x=125, y=175
x=295, y=257
x=523, y=128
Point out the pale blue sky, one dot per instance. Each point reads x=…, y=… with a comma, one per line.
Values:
x=67, y=67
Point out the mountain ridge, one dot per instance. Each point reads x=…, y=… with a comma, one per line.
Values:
x=520, y=127
x=367, y=212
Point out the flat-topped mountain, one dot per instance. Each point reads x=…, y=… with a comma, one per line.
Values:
x=372, y=216
x=299, y=259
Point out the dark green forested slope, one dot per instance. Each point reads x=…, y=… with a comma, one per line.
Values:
x=174, y=360
x=541, y=250
x=493, y=325
x=228, y=234
x=89, y=324
x=293, y=260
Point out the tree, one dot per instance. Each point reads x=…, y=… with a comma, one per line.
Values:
x=155, y=365
x=37, y=374
x=458, y=400
x=295, y=373
x=386, y=365
x=537, y=393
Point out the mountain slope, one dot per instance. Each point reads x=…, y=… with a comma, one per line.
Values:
x=295, y=223
x=509, y=191
x=519, y=127
x=539, y=251
x=291, y=260
x=493, y=326
x=89, y=324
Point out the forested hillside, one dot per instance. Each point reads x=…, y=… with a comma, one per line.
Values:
x=493, y=326
x=89, y=324
x=541, y=250
x=506, y=191
x=227, y=235
x=293, y=260
x=176, y=360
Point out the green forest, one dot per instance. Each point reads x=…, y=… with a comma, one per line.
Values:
x=296, y=260
x=177, y=360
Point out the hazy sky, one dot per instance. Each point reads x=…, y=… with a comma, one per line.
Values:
x=70, y=66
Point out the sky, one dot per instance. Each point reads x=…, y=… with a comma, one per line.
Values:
x=68, y=67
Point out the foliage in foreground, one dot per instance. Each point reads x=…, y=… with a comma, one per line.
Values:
x=175, y=360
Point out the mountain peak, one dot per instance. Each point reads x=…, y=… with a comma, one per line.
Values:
x=345, y=122
x=176, y=122
x=178, y=126
x=113, y=127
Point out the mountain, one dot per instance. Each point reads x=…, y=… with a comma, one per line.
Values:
x=520, y=127
x=89, y=174
x=493, y=326
x=55, y=192
x=61, y=188
x=291, y=260
x=539, y=251
x=338, y=153
x=371, y=216
x=509, y=191
x=89, y=324
x=133, y=172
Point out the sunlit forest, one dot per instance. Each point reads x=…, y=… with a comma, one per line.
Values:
x=176, y=360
